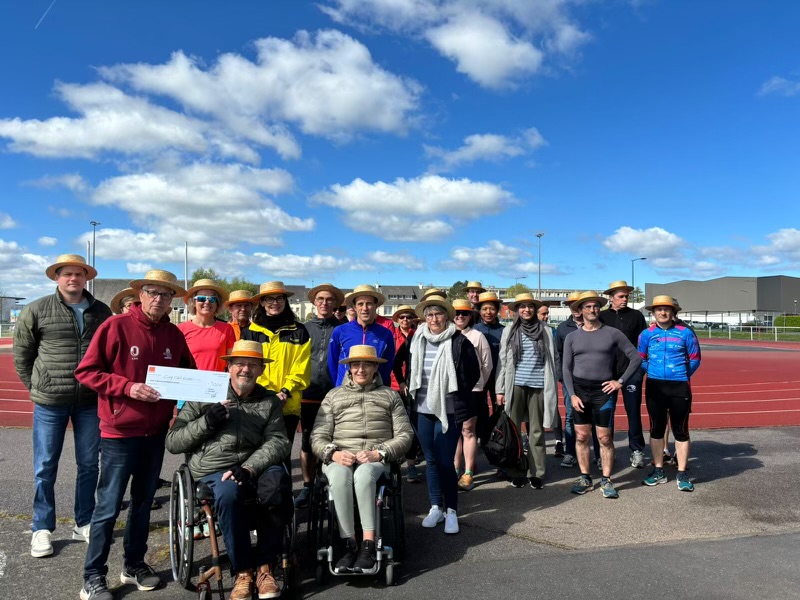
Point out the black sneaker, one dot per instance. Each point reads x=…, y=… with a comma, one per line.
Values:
x=366, y=557
x=519, y=482
x=141, y=575
x=559, y=452
x=345, y=564
x=303, y=497
x=536, y=483
x=96, y=589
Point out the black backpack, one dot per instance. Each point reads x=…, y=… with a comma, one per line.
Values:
x=503, y=447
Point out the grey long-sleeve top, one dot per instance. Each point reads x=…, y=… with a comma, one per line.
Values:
x=591, y=355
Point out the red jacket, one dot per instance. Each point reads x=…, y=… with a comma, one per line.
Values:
x=399, y=340
x=118, y=356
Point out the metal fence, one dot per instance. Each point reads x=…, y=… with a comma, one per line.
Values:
x=739, y=332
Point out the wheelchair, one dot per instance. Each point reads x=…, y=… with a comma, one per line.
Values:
x=323, y=527
x=191, y=504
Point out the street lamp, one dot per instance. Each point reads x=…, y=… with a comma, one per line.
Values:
x=795, y=306
x=633, y=270
x=94, y=225
x=516, y=280
x=539, y=289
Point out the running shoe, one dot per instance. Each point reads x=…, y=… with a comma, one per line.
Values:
x=637, y=459
x=656, y=476
x=608, y=489
x=559, y=452
x=582, y=485
x=569, y=461
x=684, y=484
x=412, y=474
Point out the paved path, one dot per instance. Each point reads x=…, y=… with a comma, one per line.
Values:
x=736, y=536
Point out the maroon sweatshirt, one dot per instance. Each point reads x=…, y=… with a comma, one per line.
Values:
x=118, y=356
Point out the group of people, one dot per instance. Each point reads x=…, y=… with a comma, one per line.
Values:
x=364, y=391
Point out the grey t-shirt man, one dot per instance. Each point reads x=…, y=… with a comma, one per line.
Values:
x=590, y=355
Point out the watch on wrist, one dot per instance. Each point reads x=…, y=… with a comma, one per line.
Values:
x=620, y=381
x=287, y=393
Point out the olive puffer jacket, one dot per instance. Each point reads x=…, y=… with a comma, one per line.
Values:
x=254, y=435
x=354, y=418
x=48, y=346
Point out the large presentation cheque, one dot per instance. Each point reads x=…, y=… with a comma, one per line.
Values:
x=188, y=384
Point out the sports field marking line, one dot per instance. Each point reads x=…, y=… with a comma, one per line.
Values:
x=13, y=400
x=747, y=412
x=761, y=401
x=711, y=385
x=766, y=391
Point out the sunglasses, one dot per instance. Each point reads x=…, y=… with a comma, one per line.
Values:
x=463, y=313
x=407, y=317
x=209, y=299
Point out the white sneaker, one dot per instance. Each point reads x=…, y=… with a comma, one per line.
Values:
x=435, y=516
x=451, y=521
x=40, y=544
x=81, y=533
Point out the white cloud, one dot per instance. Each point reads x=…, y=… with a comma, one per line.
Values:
x=400, y=259
x=203, y=204
x=494, y=42
x=784, y=248
x=71, y=181
x=48, y=241
x=325, y=83
x=487, y=146
x=652, y=243
x=6, y=222
x=138, y=268
x=496, y=257
x=22, y=272
x=779, y=86
x=414, y=209
x=306, y=267
x=64, y=213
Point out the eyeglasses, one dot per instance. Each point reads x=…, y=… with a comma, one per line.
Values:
x=163, y=295
x=463, y=313
x=324, y=300
x=273, y=299
x=209, y=299
x=242, y=364
x=436, y=315
x=340, y=309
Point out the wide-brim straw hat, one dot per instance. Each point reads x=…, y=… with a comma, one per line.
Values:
x=586, y=297
x=70, y=260
x=488, y=297
x=475, y=285
x=365, y=290
x=618, y=285
x=573, y=296
x=159, y=277
x=404, y=308
x=435, y=301
x=362, y=353
x=247, y=349
x=436, y=292
x=663, y=301
x=238, y=297
x=461, y=304
x=206, y=284
x=327, y=287
x=271, y=288
x=525, y=297
x=116, y=301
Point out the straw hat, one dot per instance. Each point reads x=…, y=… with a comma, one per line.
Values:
x=327, y=287
x=664, y=301
x=616, y=286
x=205, y=284
x=362, y=352
x=525, y=297
x=116, y=301
x=488, y=297
x=436, y=292
x=475, y=285
x=435, y=301
x=405, y=308
x=573, y=296
x=271, y=288
x=238, y=296
x=247, y=349
x=158, y=277
x=365, y=290
x=70, y=260
x=586, y=297
x=461, y=304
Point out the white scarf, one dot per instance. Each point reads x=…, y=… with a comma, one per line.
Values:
x=443, y=379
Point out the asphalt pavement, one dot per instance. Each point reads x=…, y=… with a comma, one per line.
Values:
x=736, y=536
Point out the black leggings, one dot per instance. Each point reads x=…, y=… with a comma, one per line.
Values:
x=671, y=399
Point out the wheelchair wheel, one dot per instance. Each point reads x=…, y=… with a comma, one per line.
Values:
x=389, y=573
x=181, y=522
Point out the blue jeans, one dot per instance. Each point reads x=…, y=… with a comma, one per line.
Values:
x=49, y=430
x=235, y=521
x=138, y=460
x=632, y=399
x=440, y=451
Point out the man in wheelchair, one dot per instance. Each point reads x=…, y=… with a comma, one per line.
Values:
x=231, y=446
x=360, y=429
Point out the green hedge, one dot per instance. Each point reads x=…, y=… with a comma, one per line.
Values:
x=787, y=321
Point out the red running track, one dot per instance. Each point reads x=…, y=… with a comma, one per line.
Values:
x=755, y=386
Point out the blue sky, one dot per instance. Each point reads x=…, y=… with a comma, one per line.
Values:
x=427, y=141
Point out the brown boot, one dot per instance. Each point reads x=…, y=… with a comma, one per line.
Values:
x=243, y=585
x=266, y=586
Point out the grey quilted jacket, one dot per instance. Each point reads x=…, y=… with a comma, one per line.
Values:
x=354, y=418
x=48, y=346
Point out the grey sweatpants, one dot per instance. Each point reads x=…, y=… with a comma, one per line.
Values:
x=528, y=406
